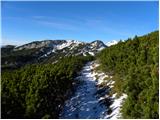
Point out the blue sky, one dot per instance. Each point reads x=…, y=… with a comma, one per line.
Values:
x=23, y=22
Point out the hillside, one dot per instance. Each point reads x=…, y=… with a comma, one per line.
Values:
x=134, y=65
x=39, y=91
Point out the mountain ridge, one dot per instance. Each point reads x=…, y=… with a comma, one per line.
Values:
x=48, y=51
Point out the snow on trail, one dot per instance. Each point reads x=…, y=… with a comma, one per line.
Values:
x=84, y=104
x=116, y=107
x=88, y=101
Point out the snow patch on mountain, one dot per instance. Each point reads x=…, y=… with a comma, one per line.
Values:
x=111, y=43
x=67, y=44
x=91, y=53
x=58, y=48
x=101, y=48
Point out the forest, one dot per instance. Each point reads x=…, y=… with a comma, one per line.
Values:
x=135, y=66
x=39, y=90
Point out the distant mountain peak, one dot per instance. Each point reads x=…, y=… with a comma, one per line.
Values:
x=49, y=51
x=52, y=50
x=61, y=44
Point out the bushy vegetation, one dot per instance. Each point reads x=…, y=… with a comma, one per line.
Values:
x=38, y=91
x=135, y=66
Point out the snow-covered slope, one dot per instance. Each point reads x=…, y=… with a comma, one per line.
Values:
x=55, y=44
x=48, y=48
x=49, y=51
x=111, y=43
x=68, y=43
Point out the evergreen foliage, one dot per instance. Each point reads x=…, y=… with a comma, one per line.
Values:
x=39, y=91
x=135, y=62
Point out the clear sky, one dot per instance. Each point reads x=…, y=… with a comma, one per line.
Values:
x=23, y=22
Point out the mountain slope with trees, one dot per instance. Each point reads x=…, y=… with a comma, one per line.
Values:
x=134, y=64
x=39, y=91
x=46, y=51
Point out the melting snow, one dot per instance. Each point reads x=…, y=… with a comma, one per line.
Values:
x=117, y=102
x=116, y=107
x=84, y=104
x=91, y=53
